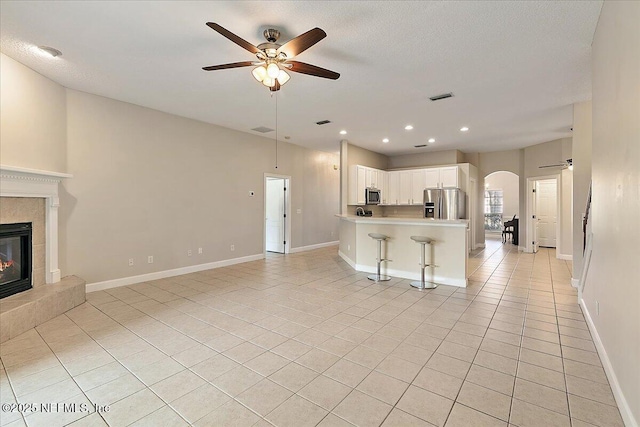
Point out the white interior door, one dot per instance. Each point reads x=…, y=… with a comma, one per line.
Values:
x=546, y=211
x=275, y=220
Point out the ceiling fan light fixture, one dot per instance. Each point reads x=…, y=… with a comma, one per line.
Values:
x=283, y=77
x=273, y=70
x=259, y=73
x=269, y=82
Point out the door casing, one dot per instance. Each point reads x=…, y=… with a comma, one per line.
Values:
x=287, y=222
x=530, y=247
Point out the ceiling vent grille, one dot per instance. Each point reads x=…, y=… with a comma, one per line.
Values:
x=443, y=96
x=323, y=122
x=420, y=146
x=263, y=129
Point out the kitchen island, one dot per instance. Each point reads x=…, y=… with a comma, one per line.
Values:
x=449, y=247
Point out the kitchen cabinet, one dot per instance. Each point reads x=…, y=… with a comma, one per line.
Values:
x=382, y=184
x=405, y=187
x=404, y=195
x=448, y=176
x=393, y=188
x=432, y=178
x=418, y=184
x=361, y=177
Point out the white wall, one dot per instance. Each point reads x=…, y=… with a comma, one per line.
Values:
x=33, y=122
x=614, y=275
x=581, y=154
x=509, y=183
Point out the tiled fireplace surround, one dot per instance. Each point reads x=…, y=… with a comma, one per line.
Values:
x=32, y=196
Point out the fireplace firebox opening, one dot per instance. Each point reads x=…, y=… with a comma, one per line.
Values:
x=15, y=258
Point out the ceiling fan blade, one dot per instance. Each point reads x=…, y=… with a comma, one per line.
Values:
x=231, y=65
x=553, y=166
x=236, y=39
x=312, y=70
x=302, y=42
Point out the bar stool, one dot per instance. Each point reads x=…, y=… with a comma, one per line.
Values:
x=378, y=277
x=422, y=285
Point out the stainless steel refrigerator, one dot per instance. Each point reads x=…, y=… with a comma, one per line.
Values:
x=444, y=203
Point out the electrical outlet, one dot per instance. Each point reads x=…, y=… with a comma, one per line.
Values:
x=150, y=259
x=299, y=211
x=348, y=247
x=130, y=262
x=199, y=251
x=597, y=308
x=233, y=248
x=332, y=233
x=189, y=252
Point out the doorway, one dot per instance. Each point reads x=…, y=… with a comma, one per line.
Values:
x=277, y=229
x=543, y=212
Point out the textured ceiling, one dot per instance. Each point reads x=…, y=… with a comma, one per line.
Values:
x=515, y=68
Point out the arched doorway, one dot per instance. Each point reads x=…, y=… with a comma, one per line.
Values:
x=501, y=202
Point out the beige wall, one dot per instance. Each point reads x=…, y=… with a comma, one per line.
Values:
x=613, y=280
x=581, y=154
x=361, y=156
x=509, y=183
x=150, y=183
x=436, y=158
x=33, y=121
x=525, y=163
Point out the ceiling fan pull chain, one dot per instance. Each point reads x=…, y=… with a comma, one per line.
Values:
x=276, y=95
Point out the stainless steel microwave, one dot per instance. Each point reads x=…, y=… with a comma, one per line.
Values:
x=372, y=196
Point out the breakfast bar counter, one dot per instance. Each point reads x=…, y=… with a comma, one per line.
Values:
x=448, y=252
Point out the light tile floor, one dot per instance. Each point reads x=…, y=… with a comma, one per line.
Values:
x=303, y=340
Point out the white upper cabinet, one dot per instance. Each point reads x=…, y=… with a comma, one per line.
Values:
x=450, y=177
x=405, y=187
x=418, y=184
x=362, y=177
x=393, y=188
x=432, y=178
x=404, y=197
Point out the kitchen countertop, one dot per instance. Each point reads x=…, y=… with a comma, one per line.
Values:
x=405, y=221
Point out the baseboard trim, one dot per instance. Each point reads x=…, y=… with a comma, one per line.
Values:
x=623, y=405
x=125, y=281
x=575, y=282
x=479, y=246
x=312, y=247
x=564, y=257
x=347, y=259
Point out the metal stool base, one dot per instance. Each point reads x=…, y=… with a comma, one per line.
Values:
x=378, y=278
x=427, y=285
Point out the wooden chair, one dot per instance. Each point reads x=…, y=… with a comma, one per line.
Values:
x=508, y=229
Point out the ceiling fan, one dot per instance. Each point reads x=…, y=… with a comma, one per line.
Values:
x=564, y=165
x=273, y=59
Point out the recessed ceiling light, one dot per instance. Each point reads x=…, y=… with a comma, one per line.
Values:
x=408, y=127
x=49, y=51
x=385, y=140
x=432, y=140
x=343, y=132
x=464, y=129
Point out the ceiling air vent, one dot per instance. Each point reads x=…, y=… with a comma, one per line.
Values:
x=263, y=129
x=443, y=96
x=323, y=122
x=420, y=146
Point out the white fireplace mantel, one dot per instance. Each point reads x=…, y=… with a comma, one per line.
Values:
x=24, y=182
